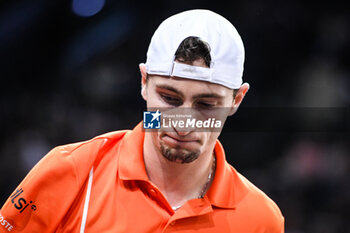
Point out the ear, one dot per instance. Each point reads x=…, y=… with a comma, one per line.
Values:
x=239, y=97
x=143, y=71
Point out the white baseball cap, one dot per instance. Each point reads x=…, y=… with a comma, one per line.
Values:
x=226, y=48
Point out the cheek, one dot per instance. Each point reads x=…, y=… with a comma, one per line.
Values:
x=155, y=138
x=154, y=100
x=209, y=138
x=209, y=141
x=212, y=137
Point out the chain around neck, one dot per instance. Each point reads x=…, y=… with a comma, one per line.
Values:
x=206, y=185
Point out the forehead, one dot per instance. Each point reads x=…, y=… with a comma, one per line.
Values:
x=188, y=86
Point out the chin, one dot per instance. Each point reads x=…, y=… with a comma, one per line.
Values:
x=179, y=155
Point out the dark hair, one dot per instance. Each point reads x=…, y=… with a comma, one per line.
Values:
x=193, y=48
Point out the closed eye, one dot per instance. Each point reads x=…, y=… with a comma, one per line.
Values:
x=171, y=99
x=205, y=105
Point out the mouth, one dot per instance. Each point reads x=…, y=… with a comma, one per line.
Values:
x=179, y=142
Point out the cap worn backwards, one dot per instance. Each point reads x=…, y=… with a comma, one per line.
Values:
x=226, y=48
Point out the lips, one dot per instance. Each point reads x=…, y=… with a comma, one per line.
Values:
x=181, y=139
x=175, y=141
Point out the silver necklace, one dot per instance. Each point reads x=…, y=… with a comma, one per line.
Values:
x=206, y=185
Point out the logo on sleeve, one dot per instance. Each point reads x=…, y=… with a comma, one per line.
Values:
x=21, y=203
x=4, y=223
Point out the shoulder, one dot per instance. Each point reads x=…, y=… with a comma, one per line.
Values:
x=54, y=183
x=73, y=161
x=92, y=145
x=260, y=207
x=85, y=150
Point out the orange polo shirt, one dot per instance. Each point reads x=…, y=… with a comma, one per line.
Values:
x=101, y=185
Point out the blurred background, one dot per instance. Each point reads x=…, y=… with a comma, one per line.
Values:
x=69, y=72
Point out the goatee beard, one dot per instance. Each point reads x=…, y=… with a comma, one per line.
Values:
x=179, y=155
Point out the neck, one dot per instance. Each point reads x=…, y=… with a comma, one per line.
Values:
x=178, y=182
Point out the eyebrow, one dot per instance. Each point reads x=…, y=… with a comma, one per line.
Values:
x=170, y=88
x=208, y=95
x=204, y=95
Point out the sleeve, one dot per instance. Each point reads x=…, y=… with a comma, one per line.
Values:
x=43, y=197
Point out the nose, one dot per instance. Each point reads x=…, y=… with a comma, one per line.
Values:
x=184, y=113
x=186, y=105
x=182, y=132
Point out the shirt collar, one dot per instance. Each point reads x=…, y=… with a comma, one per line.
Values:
x=226, y=191
x=131, y=163
x=228, y=188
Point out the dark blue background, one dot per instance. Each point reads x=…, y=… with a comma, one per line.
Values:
x=66, y=78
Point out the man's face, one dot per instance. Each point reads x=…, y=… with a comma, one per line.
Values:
x=179, y=93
